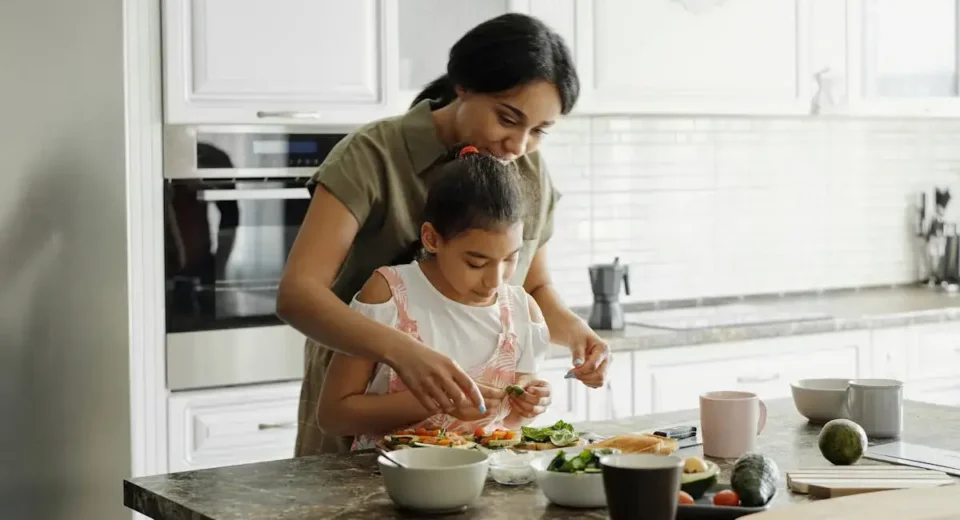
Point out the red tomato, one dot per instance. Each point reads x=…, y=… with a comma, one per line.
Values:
x=684, y=498
x=727, y=497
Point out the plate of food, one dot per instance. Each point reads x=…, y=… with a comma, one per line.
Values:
x=496, y=439
x=423, y=438
x=752, y=487
x=559, y=435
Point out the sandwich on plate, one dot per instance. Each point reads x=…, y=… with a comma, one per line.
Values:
x=559, y=435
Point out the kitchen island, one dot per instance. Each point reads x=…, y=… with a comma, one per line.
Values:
x=349, y=486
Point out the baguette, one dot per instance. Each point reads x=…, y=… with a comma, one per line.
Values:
x=639, y=443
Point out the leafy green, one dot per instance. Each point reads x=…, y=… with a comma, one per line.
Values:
x=543, y=434
x=514, y=389
x=588, y=461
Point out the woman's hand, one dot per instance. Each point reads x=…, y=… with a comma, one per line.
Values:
x=591, y=355
x=434, y=379
x=533, y=401
x=492, y=397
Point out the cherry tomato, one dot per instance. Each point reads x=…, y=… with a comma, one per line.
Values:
x=684, y=498
x=478, y=433
x=727, y=497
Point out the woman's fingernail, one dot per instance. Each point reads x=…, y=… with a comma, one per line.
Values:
x=578, y=361
x=483, y=408
x=569, y=375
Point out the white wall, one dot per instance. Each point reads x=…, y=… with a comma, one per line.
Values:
x=727, y=206
x=64, y=405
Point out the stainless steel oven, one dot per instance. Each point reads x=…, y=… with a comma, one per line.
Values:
x=234, y=201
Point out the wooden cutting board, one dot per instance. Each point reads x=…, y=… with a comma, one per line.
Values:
x=936, y=503
x=838, y=481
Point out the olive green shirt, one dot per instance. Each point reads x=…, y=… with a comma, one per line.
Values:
x=381, y=173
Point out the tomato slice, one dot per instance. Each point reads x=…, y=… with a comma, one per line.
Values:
x=510, y=435
x=478, y=433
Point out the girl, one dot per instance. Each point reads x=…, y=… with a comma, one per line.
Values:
x=454, y=298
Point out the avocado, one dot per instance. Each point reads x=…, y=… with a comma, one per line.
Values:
x=755, y=477
x=699, y=482
x=842, y=442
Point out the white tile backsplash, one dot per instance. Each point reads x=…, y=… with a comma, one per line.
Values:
x=703, y=207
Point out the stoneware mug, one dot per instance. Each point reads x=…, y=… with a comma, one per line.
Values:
x=730, y=422
x=877, y=406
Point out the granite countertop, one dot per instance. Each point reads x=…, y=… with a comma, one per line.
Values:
x=348, y=486
x=847, y=310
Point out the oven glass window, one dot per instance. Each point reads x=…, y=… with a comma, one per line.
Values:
x=226, y=246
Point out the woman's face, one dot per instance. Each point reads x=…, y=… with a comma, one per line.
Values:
x=509, y=124
x=474, y=263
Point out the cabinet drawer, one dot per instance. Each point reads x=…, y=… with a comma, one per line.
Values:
x=236, y=426
x=935, y=352
x=669, y=386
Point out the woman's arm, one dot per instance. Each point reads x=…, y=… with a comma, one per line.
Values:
x=590, y=353
x=307, y=303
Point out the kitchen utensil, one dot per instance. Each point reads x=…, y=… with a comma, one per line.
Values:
x=730, y=422
x=838, y=481
x=605, y=282
x=950, y=260
x=570, y=489
x=877, y=406
x=934, y=503
x=641, y=485
x=383, y=453
x=908, y=454
x=820, y=400
x=434, y=480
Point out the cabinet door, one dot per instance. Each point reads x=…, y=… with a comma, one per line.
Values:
x=695, y=56
x=212, y=428
x=254, y=61
x=568, y=395
x=614, y=401
x=907, y=52
x=934, y=352
x=427, y=29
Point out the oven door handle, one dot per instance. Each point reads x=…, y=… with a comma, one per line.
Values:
x=261, y=194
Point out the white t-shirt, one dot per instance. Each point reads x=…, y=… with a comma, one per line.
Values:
x=467, y=334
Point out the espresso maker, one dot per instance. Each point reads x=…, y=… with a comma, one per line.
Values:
x=605, y=280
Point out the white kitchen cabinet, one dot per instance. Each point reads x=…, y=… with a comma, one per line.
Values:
x=568, y=396
x=278, y=61
x=695, y=56
x=673, y=379
x=889, y=353
x=943, y=391
x=906, y=56
x=225, y=427
x=614, y=401
x=933, y=352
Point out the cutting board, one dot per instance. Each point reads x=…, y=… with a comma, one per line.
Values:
x=838, y=481
x=936, y=503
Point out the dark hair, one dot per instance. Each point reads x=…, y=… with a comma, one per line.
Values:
x=473, y=191
x=505, y=52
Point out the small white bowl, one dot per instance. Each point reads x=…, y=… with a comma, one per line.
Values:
x=820, y=400
x=582, y=490
x=435, y=481
x=512, y=468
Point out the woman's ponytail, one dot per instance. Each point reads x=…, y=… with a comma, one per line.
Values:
x=442, y=90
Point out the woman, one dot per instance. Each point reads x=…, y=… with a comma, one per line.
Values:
x=508, y=80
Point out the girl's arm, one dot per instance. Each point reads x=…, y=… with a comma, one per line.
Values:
x=306, y=302
x=344, y=408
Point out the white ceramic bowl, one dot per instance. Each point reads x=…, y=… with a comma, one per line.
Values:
x=569, y=489
x=435, y=481
x=820, y=400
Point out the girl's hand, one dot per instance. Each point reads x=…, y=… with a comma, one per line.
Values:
x=434, y=379
x=591, y=355
x=533, y=401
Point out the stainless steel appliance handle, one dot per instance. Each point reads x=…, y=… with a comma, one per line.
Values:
x=288, y=115
x=277, y=426
x=262, y=194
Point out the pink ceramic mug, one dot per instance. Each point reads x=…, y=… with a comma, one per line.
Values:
x=730, y=422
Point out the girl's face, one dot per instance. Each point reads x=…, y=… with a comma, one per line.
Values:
x=474, y=263
x=510, y=124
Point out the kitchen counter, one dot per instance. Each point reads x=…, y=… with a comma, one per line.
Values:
x=348, y=486
x=848, y=310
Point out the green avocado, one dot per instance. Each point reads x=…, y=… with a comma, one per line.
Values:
x=696, y=484
x=755, y=477
x=842, y=442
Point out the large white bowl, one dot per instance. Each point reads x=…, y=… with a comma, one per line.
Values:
x=820, y=400
x=435, y=480
x=569, y=489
